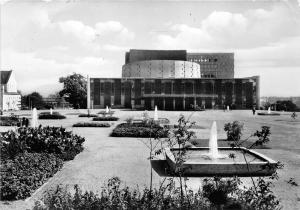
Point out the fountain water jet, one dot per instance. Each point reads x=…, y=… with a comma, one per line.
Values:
x=51, y=111
x=213, y=144
x=269, y=110
x=155, y=114
x=107, y=110
x=34, y=119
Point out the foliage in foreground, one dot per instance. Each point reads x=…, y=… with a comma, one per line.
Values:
x=53, y=116
x=139, y=130
x=55, y=140
x=215, y=194
x=29, y=156
x=91, y=124
x=25, y=173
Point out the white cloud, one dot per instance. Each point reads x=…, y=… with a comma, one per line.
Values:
x=113, y=28
x=226, y=30
x=78, y=30
x=115, y=48
x=45, y=72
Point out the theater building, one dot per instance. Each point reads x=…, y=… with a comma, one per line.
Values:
x=175, y=80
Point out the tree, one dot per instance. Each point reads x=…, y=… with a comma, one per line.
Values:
x=74, y=90
x=286, y=106
x=33, y=99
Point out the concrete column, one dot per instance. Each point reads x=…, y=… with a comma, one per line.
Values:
x=183, y=103
x=195, y=103
x=152, y=103
x=164, y=103
x=88, y=94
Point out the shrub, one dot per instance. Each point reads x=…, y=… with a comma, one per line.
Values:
x=215, y=194
x=142, y=130
x=53, y=116
x=42, y=139
x=9, y=121
x=109, y=118
x=234, y=130
x=91, y=124
x=87, y=115
x=25, y=173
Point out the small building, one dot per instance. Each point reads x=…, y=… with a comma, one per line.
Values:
x=10, y=99
x=176, y=80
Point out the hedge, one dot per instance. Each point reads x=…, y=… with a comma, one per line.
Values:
x=141, y=130
x=25, y=173
x=91, y=124
x=53, y=116
x=29, y=156
x=9, y=121
x=87, y=115
x=41, y=140
x=109, y=118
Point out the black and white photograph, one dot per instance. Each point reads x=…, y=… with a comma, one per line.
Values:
x=150, y=104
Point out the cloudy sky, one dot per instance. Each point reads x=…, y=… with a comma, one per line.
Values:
x=42, y=40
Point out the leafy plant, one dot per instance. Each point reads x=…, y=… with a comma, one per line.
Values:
x=25, y=173
x=141, y=130
x=42, y=139
x=234, y=130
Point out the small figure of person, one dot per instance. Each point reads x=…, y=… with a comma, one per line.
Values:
x=253, y=110
x=294, y=115
x=23, y=122
x=26, y=122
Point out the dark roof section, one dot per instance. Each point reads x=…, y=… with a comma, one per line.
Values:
x=142, y=55
x=5, y=75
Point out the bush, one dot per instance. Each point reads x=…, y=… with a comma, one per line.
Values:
x=108, y=118
x=142, y=130
x=53, y=116
x=9, y=121
x=91, y=124
x=215, y=194
x=41, y=140
x=87, y=115
x=25, y=173
x=234, y=130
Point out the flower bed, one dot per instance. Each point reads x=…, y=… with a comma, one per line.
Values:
x=53, y=116
x=141, y=130
x=22, y=175
x=87, y=115
x=91, y=124
x=29, y=156
x=9, y=121
x=108, y=118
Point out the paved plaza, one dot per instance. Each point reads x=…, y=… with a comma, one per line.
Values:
x=104, y=156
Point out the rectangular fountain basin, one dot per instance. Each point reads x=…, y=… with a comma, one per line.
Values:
x=196, y=164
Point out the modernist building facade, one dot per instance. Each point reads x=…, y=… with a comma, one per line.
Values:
x=10, y=99
x=175, y=80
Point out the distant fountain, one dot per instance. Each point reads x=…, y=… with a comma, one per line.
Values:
x=213, y=144
x=227, y=108
x=51, y=111
x=107, y=110
x=269, y=110
x=34, y=119
x=155, y=114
